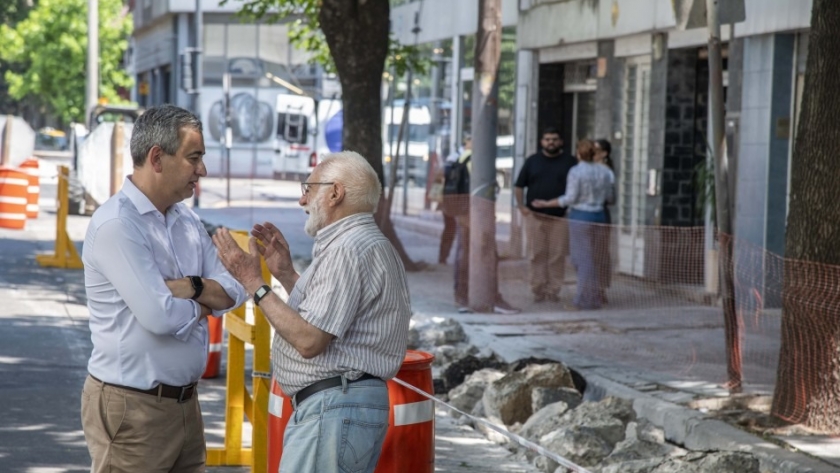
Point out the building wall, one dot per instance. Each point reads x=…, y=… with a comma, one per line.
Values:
x=442, y=19
x=763, y=160
x=550, y=110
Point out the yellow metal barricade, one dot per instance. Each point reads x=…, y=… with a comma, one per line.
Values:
x=65, y=255
x=239, y=402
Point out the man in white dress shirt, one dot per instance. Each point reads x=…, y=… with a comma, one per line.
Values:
x=152, y=277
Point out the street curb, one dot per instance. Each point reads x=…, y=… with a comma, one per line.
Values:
x=690, y=428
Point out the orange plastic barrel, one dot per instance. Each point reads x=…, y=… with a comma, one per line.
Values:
x=14, y=187
x=410, y=443
x=30, y=167
x=214, y=355
x=279, y=412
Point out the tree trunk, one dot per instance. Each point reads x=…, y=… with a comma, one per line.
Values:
x=808, y=379
x=357, y=34
x=485, y=112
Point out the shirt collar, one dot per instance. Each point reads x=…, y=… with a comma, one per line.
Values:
x=328, y=234
x=139, y=199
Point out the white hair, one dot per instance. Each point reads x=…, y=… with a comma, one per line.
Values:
x=361, y=184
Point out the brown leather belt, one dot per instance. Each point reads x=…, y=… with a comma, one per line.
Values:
x=326, y=384
x=181, y=393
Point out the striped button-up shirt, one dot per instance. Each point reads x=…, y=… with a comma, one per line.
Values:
x=356, y=290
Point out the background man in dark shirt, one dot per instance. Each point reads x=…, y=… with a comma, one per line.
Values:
x=544, y=176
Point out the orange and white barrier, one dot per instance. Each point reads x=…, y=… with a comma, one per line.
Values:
x=14, y=186
x=409, y=446
x=31, y=168
x=214, y=355
x=279, y=412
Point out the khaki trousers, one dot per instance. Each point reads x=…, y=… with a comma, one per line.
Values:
x=548, y=245
x=132, y=432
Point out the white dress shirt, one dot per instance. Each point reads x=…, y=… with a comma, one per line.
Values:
x=142, y=335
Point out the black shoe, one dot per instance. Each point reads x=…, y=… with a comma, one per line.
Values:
x=539, y=298
x=552, y=298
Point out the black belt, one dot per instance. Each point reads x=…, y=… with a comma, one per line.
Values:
x=181, y=393
x=326, y=384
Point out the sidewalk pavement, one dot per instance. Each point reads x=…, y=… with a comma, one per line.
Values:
x=44, y=349
x=631, y=351
x=660, y=346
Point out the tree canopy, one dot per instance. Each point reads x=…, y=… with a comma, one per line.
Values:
x=48, y=52
x=306, y=34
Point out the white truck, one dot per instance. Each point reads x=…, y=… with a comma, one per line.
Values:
x=304, y=135
x=415, y=142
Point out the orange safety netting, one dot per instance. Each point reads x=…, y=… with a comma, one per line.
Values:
x=649, y=298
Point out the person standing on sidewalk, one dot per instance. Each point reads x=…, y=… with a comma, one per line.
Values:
x=544, y=175
x=344, y=329
x=590, y=186
x=152, y=276
x=458, y=205
x=603, y=253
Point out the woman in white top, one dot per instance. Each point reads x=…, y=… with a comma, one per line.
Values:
x=588, y=187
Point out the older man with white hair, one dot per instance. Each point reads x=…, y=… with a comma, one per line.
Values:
x=344, y=328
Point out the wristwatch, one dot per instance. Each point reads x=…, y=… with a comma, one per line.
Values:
x=263, y=291
x=198, y=286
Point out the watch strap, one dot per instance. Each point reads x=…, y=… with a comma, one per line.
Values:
x=198, y=286
x=260, y=293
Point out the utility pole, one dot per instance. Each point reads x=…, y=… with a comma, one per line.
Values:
x=92, y=73
x=722, y=206
x=199, y=43
x=485, y=118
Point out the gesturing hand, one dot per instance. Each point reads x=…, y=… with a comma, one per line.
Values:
x=275, y=250
x=244, y=267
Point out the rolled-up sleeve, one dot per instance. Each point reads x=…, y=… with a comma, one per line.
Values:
x=215, y=270
x=120, y=252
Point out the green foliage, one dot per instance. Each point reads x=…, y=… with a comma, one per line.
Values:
x=49, y=48
x=507, y=65
x=305, y=33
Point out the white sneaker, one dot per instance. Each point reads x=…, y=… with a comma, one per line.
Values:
x=502, y=307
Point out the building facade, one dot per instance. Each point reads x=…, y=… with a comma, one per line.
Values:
x=628, y=71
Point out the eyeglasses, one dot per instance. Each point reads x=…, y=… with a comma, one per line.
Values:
x=304, y=186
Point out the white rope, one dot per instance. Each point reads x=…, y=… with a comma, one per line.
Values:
x=520, y=440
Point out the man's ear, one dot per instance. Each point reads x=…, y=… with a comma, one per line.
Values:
x=155, y=158
x=336, y=194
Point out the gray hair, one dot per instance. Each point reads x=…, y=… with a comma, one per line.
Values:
x=361, y=184
x=160, y=126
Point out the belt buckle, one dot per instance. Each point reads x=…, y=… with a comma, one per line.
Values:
x=184, y=390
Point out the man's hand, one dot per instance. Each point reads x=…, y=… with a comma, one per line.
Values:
x=275, y=249
x=244, y=267
x=524, y=210
x=541, y=204
x=205, y=311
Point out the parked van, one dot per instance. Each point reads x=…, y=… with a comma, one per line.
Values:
x=303, y=136
x=415, y=142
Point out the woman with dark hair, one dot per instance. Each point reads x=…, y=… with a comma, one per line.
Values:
x=603, y=258
x=588, y=186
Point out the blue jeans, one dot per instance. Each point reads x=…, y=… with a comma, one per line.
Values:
x=583, y=237
x=338, y=430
